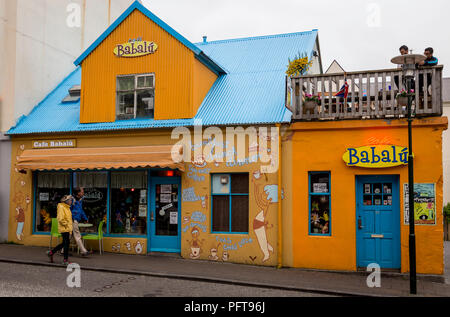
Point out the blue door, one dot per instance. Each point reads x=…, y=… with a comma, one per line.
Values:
x=165, y=215
x=378, y=221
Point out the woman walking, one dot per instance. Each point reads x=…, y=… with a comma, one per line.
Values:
x=64, y=216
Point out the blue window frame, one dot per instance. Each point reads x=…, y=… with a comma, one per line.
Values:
x=319, y=188
x=230, y=203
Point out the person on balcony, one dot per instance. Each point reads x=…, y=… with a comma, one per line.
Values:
x=428, y=62
x=404, y=50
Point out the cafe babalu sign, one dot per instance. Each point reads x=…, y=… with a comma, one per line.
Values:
x=376, y=156
x=135, y=48
x=52, y=144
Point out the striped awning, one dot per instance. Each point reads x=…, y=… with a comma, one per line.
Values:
x=100, y=158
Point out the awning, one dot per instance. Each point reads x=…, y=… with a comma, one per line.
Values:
x=100, y=158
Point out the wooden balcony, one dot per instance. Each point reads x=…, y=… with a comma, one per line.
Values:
x=371, y=94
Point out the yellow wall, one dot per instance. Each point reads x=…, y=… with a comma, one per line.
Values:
x=319, y=146
x=203, y=81
x=238, y=248
x=174, y=66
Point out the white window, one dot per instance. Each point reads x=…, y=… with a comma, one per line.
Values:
x=135, y=96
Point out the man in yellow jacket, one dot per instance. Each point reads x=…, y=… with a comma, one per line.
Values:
x=64, y=216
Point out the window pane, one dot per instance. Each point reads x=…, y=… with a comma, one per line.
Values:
x=166, y=209
x=125, y=106
x=239, y=213
x=125, y=83
x=145, y=104
x=129, y=203
x=51, y=187
x=320, y=214
x=95, y=186
x=221, y=213
x=239, y=183
x=145, y=82
x=320, y=183
x=221, y=183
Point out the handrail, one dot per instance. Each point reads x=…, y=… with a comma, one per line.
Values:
x=371, y=94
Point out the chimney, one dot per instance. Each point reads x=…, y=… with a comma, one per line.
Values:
x=205, y=39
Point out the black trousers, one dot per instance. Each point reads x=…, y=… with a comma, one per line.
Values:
x=64, y=244
x=396, y=79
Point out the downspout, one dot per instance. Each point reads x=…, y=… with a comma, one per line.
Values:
x=280, y=232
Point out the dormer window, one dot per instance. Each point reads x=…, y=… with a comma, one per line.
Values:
x=135, y=96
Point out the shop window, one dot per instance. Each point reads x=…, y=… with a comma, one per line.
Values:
x=129, y=203
x=50, y=188
x=135, y=97
x=319, y=203
x=95, y=186
x=230, y=203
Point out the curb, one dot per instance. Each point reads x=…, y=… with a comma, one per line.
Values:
x=203, y=279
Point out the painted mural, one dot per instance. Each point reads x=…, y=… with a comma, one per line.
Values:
x=21, y=199
x=199, y=241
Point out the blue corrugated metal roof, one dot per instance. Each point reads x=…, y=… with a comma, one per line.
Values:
x=138, y=6
x=252, y=92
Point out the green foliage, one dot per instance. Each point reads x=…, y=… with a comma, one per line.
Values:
x=299, y=66
x=447, y=212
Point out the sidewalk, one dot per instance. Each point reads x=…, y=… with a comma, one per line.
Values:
x=173, y=266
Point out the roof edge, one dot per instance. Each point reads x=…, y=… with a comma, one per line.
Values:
x=23, y=117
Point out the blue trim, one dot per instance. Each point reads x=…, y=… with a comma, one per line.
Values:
x=108, y=205
x=309, y=204
x=230, y=212
x=114, y=235
x=396, y=221
x=138, y=6
x=149, y=208
x=34, y=178
x=152, y=235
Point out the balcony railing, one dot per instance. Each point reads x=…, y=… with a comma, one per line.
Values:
x=371, y=94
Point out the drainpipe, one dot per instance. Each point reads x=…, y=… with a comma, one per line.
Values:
x=280, y=232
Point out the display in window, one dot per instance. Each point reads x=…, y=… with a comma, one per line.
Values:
x=165, y=207
x=377, y=188
x=367, y=200
x=377, y=200
x=367, y=189
x=129, y=203
x=387, y=188
x=320, y=219
x=51, y=187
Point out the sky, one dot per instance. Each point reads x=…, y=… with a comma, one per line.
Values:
x=359, y=34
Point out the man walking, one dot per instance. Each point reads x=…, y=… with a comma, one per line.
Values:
x=78, y=216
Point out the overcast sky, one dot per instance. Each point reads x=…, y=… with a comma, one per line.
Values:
x=359, y=34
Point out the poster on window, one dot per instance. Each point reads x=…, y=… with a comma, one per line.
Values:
x=166, y=189
x=165, y=198
x=142, y=210
x=44, y=197
x=174, y=218
x=424, y=204
x=320, y=187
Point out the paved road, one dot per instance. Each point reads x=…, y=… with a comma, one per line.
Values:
x=26, y=280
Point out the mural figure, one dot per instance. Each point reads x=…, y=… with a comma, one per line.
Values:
x=20, y=218
x=116, y=247
x=225, y=256
x=264, y=195
x=128, y=246
x=213, y=253
x=196, y=243
x=138, y=247
x=21, y=202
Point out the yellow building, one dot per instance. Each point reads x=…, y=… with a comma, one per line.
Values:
x=114, y=124
x=265, y=179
